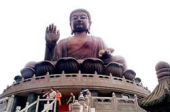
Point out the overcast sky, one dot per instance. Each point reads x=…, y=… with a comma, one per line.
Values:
x=138, y=30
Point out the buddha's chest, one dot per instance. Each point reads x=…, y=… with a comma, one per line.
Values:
x=80, y=45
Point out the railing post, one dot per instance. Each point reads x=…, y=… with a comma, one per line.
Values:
x=10, y=103
x=48, y=102
x=62, y=76
x=33, y=78
x=55, y=105
x=95, y=72
x=114, y=102
x=123, y=79
x=37, y=105
x=111, y=76
x=27, y=103
x=77, y=107
x=18, y=108
x=63, y=72
x=95, y=75
x=136, y=102
x=47, y=76
x=22, y=80
x=79, y=72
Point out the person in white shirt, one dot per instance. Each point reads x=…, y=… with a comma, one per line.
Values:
x=51, y=94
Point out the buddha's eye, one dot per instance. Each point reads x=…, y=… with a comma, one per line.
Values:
x=83, y=17
x=75, y=17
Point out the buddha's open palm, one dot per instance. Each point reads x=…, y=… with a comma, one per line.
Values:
x=52, y=34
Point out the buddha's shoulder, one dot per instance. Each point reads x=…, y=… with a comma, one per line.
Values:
x=96, y=38
x=65, y=40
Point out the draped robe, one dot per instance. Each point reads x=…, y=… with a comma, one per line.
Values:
x=79, y=50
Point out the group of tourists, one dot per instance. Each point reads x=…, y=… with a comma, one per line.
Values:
x=53, y=94
x=85, y=93
x=56, y=94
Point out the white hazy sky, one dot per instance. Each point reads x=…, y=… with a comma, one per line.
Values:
x=139, y=30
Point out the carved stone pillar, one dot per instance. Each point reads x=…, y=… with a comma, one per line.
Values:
x=15, y=103
x=83, y=102
x=77, y=107
x=10, y=103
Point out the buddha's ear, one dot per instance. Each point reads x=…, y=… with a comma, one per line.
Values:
x=88, y=31
x=72, y=32
x=89, y=27
x=90, y=22
x=71, y=29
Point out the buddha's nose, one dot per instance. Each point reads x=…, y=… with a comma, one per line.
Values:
x=79, y=21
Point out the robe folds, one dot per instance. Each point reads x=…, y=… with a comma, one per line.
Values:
x=86, y=49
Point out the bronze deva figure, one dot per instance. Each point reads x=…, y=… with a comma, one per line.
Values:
x=80, y=45
x=76, y=52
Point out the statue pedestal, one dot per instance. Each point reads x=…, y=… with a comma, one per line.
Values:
x=77, y=107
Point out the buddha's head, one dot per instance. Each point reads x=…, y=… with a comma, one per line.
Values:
x=80, y=21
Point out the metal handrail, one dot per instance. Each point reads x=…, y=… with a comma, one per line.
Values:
x=27, y=107
x=51, y=104
x=4, y=99
x=37, y=104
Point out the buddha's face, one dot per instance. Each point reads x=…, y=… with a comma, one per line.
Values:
x=80, y=22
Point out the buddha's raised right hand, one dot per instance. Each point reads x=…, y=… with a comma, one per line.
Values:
x=52, y=34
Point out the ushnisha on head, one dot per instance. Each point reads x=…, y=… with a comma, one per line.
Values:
x=80, y=21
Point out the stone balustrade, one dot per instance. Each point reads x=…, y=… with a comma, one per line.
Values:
x=6, y=104
x=107, y=104
x=95, y=81
x=115, y=104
